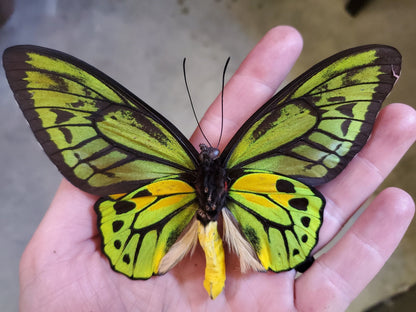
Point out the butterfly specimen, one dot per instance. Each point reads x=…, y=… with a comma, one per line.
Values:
x=160, y=196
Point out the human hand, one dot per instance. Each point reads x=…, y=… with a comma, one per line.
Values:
x=63, y=267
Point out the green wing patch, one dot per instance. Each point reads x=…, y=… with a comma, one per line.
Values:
x=100, y=136
x=139, y=228
x=279, y=216
x=313, y=127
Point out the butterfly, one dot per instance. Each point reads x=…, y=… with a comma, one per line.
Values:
x=160, y=196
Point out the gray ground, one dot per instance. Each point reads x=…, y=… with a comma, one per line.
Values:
x=141, y=44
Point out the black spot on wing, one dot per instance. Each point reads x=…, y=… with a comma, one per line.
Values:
x=142, y=193
x=124, y=207
x=299, y=203
x=305, y=221
x=344, y=126
x=62, y=115
x=67, y=134
x=285, y=186
x=78, y=104
x=117, y=225
x=117, y=244
x=336, y=99
x=126, y=259
x=304, y=238
x=346, y=109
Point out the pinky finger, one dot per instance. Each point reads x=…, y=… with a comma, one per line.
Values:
x=339, y=275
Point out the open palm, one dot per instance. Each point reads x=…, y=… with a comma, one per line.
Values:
x=63, y=268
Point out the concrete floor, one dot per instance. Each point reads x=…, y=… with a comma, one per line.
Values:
x=141, y=44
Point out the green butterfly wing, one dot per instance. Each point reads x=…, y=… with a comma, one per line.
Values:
x=101, y=137
x=313, y=127
x=108, y=142
x=278, y=215
x=139, y=228
x=307, y=133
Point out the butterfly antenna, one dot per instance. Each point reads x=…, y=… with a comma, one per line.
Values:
x=222, y=100
x=192, y=104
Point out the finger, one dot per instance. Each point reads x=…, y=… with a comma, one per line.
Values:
x=393, y=134
x=338, y=276
x=253, y=84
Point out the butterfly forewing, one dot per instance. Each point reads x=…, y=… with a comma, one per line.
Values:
x=100, y=136
x=313, y=127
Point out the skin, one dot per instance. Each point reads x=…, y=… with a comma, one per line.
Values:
x=63, y=269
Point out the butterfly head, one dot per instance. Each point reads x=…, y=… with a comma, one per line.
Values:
x=208, y=153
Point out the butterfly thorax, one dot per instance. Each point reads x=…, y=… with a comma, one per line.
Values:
x=210, y=185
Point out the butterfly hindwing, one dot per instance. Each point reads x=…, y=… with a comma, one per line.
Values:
x=279, y=216
x=101, y=137
x=139, y=228
x=313, y=127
